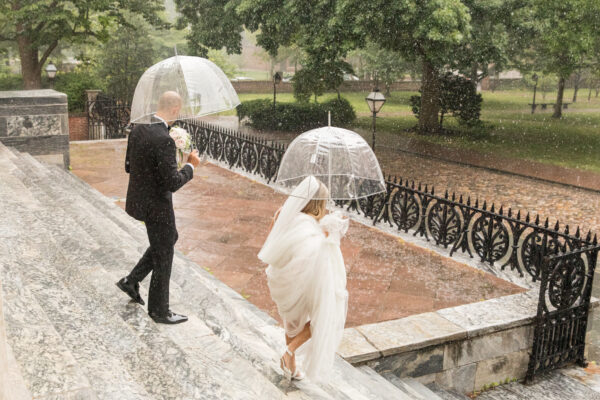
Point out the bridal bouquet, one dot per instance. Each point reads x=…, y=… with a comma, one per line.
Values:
x=183, y=142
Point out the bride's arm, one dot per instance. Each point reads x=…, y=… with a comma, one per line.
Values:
x=274, y=219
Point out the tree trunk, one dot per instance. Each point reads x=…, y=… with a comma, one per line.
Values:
x=30, y=65
x=576, y=86
x=559, y=98
x=430, y=102
x=590, y=93
x=474, y=75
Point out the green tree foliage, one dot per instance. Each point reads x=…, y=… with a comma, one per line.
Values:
x=213, y=24
x=39, y=26
x=458, y=96
x=307, y=84
x=124, y=58
x=429, y=32
x=219, y=58
x=75, y=83
x=385, y=65
x=500, y=31
x=566, y=39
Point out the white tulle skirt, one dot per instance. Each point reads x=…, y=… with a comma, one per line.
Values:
x=308, y=283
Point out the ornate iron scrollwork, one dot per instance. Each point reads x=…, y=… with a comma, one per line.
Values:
x=249, y=157
x=565, y=283
x=443, y=223
x=405, y=209
x=535, y=247
x=215, y=146
x=232, y=151
x=490, y=238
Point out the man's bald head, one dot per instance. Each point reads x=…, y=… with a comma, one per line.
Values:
x=169, y=100
x=169, y=105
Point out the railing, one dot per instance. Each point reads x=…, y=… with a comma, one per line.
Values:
x=563, y=309
x=107, y=118
x=563, y=262
x=470, y=227
x=253, y=155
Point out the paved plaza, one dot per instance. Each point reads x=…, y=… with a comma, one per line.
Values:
x=223, y=220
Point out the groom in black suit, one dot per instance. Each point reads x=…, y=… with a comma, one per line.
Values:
x=153, y=177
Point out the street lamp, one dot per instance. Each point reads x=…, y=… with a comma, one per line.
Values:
x=375, y=100
x=276, y=80
x=51, y=72
x=535, y=78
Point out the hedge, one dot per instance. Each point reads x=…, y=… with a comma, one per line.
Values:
x=295, y=117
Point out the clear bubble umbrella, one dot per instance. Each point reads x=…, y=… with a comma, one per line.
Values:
x=338, y=157
x=203, y=87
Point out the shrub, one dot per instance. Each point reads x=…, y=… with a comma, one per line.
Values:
x=74, y=84
x=10, y=81
x=295, y=117
x=458, y=96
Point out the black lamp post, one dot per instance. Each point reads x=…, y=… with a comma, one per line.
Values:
x=276, y=80
x=535, y=78
x=375, y=100
x=51, y=72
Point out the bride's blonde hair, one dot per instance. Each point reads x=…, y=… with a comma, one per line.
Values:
x=317, y=206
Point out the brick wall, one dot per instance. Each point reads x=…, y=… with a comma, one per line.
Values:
x=78, y=127
x=347, y=86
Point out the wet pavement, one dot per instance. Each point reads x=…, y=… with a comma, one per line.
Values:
x=223, y=219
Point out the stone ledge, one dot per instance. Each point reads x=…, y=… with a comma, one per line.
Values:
x=355, y=348
x=411, y=333
x=29, y=97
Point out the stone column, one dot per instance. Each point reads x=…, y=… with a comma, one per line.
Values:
x=92, y=94
x=36, y=122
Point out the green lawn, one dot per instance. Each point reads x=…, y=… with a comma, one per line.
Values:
x=509, y=127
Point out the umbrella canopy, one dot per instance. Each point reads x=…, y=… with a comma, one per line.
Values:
x=203, y=87
x=339, y=158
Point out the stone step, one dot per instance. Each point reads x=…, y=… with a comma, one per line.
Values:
x=137, y=318
x=119, y=338
x=383, y=383
x=234, y=304
x=121, y=255
x=346, y=388
x=411, y=387
x=446, y=394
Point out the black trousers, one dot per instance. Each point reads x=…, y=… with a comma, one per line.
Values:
x=157, y=259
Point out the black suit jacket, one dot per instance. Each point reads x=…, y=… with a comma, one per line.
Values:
x=153, y=175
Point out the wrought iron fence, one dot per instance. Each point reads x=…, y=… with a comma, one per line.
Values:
x=562, y=261
x=253, y=155
x=107, y=118
x=563, y=308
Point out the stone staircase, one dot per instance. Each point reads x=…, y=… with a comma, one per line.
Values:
x=71, y=334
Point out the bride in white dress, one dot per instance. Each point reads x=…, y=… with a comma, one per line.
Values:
x=307, y=279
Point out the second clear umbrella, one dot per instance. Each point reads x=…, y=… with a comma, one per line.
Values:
x=338, y=157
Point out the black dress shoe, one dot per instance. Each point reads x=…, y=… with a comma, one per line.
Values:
x=132, y=290
x=171, y=318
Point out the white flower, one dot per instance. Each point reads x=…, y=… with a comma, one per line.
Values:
x=181, y=137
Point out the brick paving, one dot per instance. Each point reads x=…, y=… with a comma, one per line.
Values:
x=223, y=219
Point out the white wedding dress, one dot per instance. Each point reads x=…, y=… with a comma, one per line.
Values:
x=307, y=279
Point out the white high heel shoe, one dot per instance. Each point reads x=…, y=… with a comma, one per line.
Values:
x=297, y=374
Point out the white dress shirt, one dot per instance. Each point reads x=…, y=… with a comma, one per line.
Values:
x=167, y=125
